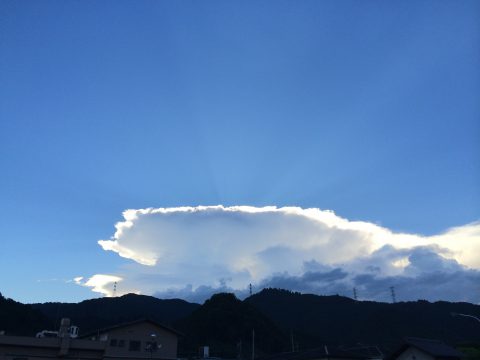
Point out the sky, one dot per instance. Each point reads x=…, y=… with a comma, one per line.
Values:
x=182, y=148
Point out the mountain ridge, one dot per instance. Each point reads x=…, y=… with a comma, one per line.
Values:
x=283, y=320
x=98, y=313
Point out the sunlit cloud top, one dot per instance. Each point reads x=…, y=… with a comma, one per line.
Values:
x=230, y=247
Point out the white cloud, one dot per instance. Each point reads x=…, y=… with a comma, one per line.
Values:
x=177, y=249
x=100, y=283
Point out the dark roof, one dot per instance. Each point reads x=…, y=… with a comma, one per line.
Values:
x=101, y=331
x=435, y=348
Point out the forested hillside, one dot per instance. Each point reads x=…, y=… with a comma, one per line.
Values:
x=19, y=319
x=281, y=320
x=99, y=313
x=317, y=319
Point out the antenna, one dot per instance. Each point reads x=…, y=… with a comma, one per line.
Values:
x=355, y=294
x=392, y=293
x=250, y=288
x=115, y=289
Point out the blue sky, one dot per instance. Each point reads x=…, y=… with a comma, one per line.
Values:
x=370, y=109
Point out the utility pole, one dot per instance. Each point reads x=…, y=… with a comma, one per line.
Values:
x=239, y=349
x=355, y=294
x=250, y=287
x=115, y=289
x=253, y=344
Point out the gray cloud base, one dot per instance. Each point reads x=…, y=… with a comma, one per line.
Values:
x=431, y=277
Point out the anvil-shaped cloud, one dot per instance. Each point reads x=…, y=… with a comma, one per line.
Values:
x=193, y=251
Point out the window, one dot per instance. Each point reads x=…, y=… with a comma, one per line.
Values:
x=134, y=345
x=121, y=343
x=113, y=342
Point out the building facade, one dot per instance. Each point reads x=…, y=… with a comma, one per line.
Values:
x=142, y=339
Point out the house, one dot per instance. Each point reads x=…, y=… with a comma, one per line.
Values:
x=141, y=339
x=138, y=339
x=425, y=349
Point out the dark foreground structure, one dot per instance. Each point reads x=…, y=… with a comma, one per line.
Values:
x=331, y=353
x=425, y=349
x=411, y=349
x=142, y=339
